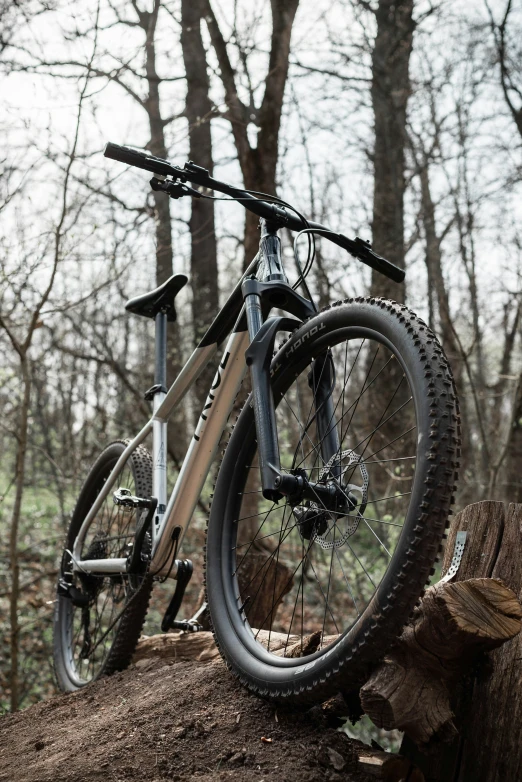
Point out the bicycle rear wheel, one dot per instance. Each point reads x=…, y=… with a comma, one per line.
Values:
x=304, y=599
x=88, y=642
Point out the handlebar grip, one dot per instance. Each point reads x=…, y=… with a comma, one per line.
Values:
x=385, y=267
x=364, y=253
x=133, y=157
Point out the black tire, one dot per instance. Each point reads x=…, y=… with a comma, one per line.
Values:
x=108, y=535
x=339, y=662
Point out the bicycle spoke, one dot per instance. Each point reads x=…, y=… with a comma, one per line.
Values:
x=391, y=497
x=378, y=538
x=256, y=539
x=329, y=583
x=317, y=557
x=347, y=582
x=107, y=537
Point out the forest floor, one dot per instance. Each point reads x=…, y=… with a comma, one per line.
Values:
x=167, y=721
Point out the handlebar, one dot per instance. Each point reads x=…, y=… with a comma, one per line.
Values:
x=200, y=176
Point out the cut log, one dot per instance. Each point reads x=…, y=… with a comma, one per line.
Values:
x=486, y=702
x=177, y=646
x=391, y=768
x=411, y=690
x=202, y=647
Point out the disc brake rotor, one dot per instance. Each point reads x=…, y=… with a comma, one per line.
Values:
x=350, y=523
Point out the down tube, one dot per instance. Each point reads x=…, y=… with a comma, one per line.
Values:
x=202, y=450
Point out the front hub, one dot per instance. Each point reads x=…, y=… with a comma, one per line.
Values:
x=335, y=505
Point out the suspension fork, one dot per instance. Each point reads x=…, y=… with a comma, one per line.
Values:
x=259, y=297
x=321, y=380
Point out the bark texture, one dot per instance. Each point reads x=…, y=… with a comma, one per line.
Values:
x=202, y=647
x=391, y=768
x=198, y=110
x=412, y=688
x=262, y=577
x=148, y=21
x=390, y=91
x=258, y=162
x=486, y=702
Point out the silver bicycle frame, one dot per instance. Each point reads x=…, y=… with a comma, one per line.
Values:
x=196, y=465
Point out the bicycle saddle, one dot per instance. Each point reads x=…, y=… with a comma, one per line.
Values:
x=159, y=300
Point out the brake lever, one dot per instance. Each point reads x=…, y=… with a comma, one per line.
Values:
x=173, y=189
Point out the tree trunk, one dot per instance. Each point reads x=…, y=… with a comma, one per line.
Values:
x=198, y=110
x=390, y=92
x=513, y=480
x=14, y=532
x=158, y=148
x=258, y=166
x=434, y=267
x=486, y=702
x=258, y=163
x=163, y=224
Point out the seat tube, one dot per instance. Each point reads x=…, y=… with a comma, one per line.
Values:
x=160, y=368
x=159, y=428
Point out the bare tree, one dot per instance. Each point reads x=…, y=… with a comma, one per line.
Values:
x=198, y=111
x=390, y=91
x=258, y=162
x=506, y=38
x=142, y=82
x=22, y=343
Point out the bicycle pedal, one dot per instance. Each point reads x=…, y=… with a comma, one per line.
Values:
x=184, y=574
x=187, y=626
x=128, y=500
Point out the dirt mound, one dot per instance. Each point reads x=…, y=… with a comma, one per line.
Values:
x=165, y=721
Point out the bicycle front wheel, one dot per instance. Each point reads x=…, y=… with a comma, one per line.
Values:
x=304, y=598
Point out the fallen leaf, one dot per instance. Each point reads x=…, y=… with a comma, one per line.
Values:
x=336, y=759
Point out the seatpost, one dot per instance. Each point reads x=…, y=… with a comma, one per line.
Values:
x=159, y=427
x=160, y=368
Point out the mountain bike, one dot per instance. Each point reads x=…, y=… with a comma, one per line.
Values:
x=331, y=499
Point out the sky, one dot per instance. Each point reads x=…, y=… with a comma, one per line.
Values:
x=326, y=136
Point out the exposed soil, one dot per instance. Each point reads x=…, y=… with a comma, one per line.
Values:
x=166, y=721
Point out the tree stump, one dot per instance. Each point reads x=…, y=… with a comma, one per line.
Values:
x=484, y=734
x=411, y=689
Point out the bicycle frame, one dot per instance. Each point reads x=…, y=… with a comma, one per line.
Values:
x=182, y=502
x=242, y=318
